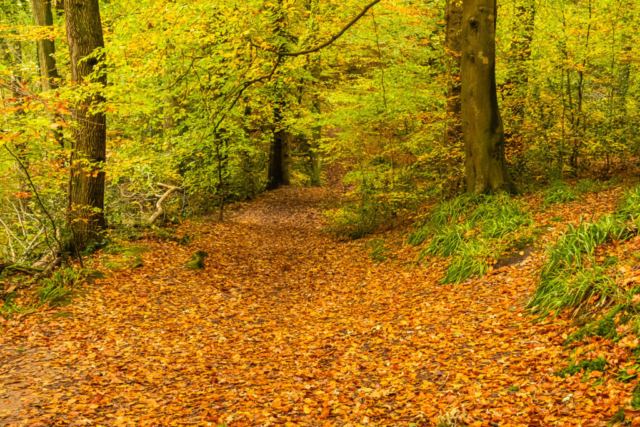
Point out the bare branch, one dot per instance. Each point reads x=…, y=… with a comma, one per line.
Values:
x=335, y=36
x=160, y=203
x=44, y=208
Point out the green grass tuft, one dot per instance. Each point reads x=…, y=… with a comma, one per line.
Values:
x=588, y=186
x=605, y=327
x=473, y=230
x=635, y=398
x=58, y=289
x=559, y=192
x=572, y=273
x=574, y=277
x=379, y=252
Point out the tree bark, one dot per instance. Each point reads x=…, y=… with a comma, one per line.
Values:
x=314, y=149
x=278, y=174
x=452, y=44
x=87, y=180
x=171, y=106
x=485, y=164
x=518, y=78
x=43, y=17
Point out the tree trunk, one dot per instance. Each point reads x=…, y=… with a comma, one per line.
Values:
x=171, y=106
x=453, y=18
x=515, y=93
x=279, y=154
x=314, y=150
x=46, y=48
x=87, y=180
x=485, y=164
x=278, y=173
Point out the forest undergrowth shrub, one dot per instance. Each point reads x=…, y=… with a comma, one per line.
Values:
x=56, y=290
x=474, y=231
x=357, y=218
x=588, y=186
x=171, y=235
x=559, y=192
x=378, y=251
x=576, y=275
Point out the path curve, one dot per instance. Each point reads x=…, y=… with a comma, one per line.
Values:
x=288, y=326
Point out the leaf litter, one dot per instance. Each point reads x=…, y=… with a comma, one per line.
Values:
x=286, y=325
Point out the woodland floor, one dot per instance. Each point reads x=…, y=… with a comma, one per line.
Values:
x=288, y=326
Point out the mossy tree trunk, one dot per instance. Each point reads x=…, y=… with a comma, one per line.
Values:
x=453, y=28
x=87, y=180
x=314, y=151
x=43, y=17
x=518, y=78
x=485, y=163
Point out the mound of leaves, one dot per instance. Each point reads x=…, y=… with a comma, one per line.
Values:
x=577, y=270
x=474, y=230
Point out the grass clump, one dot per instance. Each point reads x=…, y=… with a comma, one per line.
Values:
x=379, y=252
x=464, y=266
x=617, y=418
x=559, y=192
x=58, y=289
x=53, y=291
x=473, y=230
x=363, y=214
x=588, y=186
x=122, y=254
x=572, y=275
x=170, y=235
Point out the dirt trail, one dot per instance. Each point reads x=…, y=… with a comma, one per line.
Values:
x=287, y=326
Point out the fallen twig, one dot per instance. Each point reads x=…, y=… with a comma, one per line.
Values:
x=444, y=383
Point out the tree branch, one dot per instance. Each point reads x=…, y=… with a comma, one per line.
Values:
x=44, y=208
x=335, y=36
x=159, y=204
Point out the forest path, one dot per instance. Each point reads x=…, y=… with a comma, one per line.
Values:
x=287, y=326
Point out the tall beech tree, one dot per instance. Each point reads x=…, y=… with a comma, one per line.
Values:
x=518, y=78
x=43, y=17
x=453, y=28
x=278, y=172
x=87, y=180
x=485, y=163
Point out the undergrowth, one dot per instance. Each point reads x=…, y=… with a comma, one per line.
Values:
x=586, y=366
x=53, y=291
x=573, y=274
x=588, y=186
x=473, y=230
x=355, y=219
x=58, y=289
x=559, y=192
x=379, y=252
